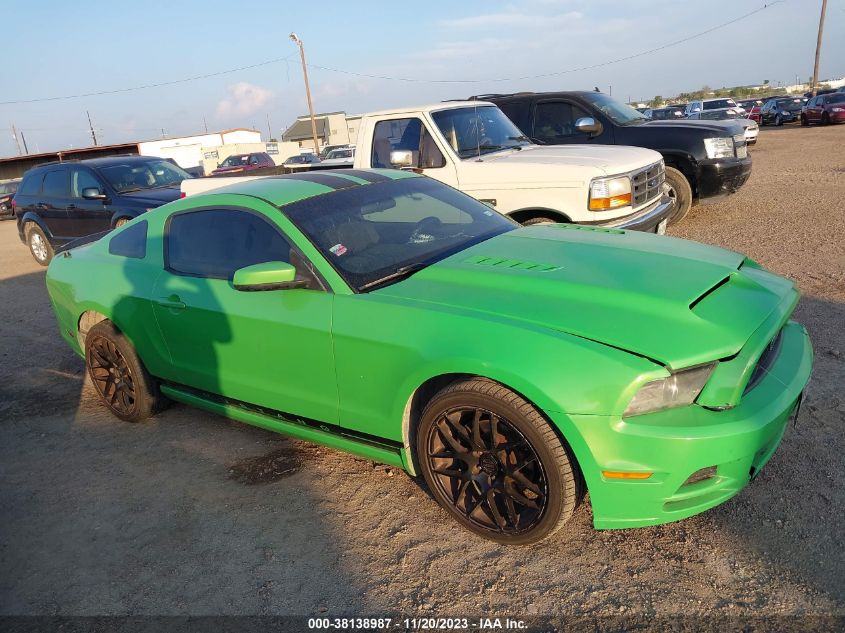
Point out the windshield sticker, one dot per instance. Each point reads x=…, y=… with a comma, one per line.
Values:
x=338, y=249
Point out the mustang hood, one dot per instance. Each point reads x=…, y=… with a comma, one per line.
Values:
x=679, y=303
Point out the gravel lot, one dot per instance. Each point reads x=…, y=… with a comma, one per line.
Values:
x=192, y=514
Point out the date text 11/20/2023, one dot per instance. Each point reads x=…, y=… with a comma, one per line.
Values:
x=417, y=624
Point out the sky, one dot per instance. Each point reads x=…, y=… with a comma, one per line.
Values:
x=449, y=49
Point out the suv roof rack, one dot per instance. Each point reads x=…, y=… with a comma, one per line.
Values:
x=481, y=97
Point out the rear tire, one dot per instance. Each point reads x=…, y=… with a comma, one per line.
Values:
x=539, y=219
x=120, y=222
x=39, y=246
x=119, y=377
x=681, y=191
x=825, y=119
x=495, y=464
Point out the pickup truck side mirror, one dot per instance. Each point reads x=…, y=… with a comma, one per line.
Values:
x=588, y=125
x=403, y=159
x=92, y=193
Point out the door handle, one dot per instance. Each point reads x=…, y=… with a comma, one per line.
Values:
x=172, y=302
x=71, y=206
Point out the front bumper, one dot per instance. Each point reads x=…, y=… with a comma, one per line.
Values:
x=647, y=220
x=721, y=176
x=674, y=444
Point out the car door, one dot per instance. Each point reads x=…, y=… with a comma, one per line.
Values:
x=51, y=204
x=85, y=216
x=412, y=134
x=271, y=349
x=554, y=124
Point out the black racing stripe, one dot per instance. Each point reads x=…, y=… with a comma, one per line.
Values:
x=369, y=176
x=328, y=180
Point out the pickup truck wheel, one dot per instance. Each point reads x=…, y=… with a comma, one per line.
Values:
x=40, y=248
x=681, y=191
x=120, y=379
x=495, y=464
x=539, y=220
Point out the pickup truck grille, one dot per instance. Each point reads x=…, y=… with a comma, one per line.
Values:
x=647, y=184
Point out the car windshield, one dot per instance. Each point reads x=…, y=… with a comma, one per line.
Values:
x=235, y=161
x=137, y=175
x=667, y=113
x=380, y=233
x=340, y=153
x=718, y=104
x=475, y=131
x=302, y=158
x=8, y=187
x=789, y=104
x=618, y=112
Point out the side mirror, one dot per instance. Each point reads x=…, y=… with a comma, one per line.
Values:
x=267, y=276
x=92, y=193
x=402, y=159
x=588, y=125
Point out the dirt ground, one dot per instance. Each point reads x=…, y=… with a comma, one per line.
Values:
x=191, y=514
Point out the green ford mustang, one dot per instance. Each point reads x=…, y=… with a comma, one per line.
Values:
x=388, y=315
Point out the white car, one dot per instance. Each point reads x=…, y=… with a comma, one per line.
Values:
x=731, y=114
x=721, y=103
x=343, y=157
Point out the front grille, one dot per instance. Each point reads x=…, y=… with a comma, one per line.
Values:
x=767, y=359
x=647, y=184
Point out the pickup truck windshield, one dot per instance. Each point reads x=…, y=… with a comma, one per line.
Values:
x=476, y=131
x=381, y=233
x=138, y=175
x=618, y=112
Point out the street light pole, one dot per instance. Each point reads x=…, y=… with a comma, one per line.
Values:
x=815, y=86
x=298, y=42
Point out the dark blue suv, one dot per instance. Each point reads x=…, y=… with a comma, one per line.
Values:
x=57, y=203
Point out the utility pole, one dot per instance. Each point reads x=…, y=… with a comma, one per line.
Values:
x=269, y=128
x=91, y=125
x=205, y=124
x=15, y=136
x=818, y=50
x=298, y=42
x=25, y=148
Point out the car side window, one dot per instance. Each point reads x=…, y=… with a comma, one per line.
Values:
x=214, y=243
x=130, y=242
x=55, y=184
x=407, y=134
x=31, y=185
x=81, y=179
x=555, y=120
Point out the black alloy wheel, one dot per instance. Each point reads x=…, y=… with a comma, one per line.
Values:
x=112, y=376
x=119, y=377
x=494, y=463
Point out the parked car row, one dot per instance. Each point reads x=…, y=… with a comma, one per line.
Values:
x=7, y=192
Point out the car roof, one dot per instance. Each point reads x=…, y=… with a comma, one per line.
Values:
x=102, y=161
x=432, y=107
x=289, y=188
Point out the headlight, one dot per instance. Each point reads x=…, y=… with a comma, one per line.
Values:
x=610, y=193
x=838, y=109
x=678, y=390
x=719, y=147
x=784, y=112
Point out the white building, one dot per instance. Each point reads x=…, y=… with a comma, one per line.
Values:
x=187, y=151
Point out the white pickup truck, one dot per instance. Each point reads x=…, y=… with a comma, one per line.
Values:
x=474, y=147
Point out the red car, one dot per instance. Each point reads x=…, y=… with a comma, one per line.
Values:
x=824, y=109
x=752, y=108
x=244, y=162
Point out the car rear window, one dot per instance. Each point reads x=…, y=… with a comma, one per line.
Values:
x=55, y=184
x=31, y=184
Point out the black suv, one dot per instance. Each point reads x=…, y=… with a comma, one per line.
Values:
x=703, y=158
x=59, y=202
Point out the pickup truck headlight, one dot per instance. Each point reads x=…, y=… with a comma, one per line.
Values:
x=719, y=147
x=678, y=390
x=610, y=193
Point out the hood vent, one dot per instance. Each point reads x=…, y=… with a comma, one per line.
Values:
x=513, y=264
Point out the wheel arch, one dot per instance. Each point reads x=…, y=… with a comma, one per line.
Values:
x=87, y=320
x=29, y=216
x=685, y=164
x=425, y=391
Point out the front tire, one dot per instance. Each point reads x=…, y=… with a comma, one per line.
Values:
x=681, y=191
x=495, y=464
x=120, y=379
x=39, y=246
x=539, y=219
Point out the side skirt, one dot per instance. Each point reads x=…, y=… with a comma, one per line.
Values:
x=368, y=446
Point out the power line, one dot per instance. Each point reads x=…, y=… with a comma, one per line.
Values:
x=403, y=79
x=560, y=72
x=145, y=86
